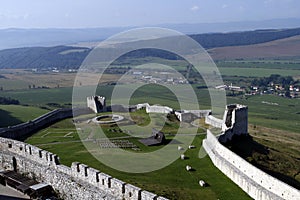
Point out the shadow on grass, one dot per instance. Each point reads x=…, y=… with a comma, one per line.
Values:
x=287, y=179
x=258, y=155
x=6, y=119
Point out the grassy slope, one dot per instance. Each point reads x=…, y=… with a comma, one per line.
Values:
x=274, y=49
x=275, y=57
x=256, y=72
x=284, y=116
x=15, y=114
x=173, y=181
x=282, y=161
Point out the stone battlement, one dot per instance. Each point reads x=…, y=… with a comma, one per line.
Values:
x=76, y=182
x=28, y=151
x=258, y=184
x=213, y=121
x=24, y=129
x=190, y=115
x=234, y=122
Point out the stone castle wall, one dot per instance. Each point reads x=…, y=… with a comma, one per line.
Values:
x=24, y=129
x=96, y=103
x=213, y=121
x=190, y=115
x=258, y=184
x=234, y=122
x=159, y=109
x=77, y=182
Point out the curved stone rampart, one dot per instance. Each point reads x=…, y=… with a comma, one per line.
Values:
x=24, y=129
x=213, y=121
x=78, y=182
x=258, y=184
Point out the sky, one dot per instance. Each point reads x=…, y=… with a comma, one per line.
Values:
x=115, y=13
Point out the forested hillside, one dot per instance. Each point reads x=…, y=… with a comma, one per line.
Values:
x=43, y=57
x=243, y=38
x=67, y=57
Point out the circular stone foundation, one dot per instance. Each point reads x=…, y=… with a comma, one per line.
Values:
x=107, y=119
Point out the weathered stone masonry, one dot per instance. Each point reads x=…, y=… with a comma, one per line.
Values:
x=24, y=129
x=256, y=183
x=77, y=182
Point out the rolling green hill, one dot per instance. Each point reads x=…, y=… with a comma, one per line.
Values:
x=67, y=57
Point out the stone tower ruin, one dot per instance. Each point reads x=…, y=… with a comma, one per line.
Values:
x=235, y=122
x=96, y=103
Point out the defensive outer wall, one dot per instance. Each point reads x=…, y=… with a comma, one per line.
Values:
x=256, y=183
x=77, y=182
x=24, y=129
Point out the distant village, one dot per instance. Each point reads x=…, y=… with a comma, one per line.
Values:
x=274, y=84
x=284, y=86
x=160, y=77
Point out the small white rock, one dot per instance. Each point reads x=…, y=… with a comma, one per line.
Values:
x=188, y=168
x=180, y=148
x=202, y=183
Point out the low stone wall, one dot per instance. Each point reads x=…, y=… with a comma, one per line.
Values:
x=159, y=109
x=23, y=130
x=190, y=115
x=258, y=184
x=78, y=182
x=213, y=121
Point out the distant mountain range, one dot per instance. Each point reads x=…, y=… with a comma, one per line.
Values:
x=71, y=57
x=14, y=38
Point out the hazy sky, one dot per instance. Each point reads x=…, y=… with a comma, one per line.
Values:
x=99, y=13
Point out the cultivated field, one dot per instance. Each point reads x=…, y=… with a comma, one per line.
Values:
x=288, y=47
x=18, y=79
x=243, y=71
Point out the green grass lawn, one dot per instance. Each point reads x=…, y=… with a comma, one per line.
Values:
x=284, y=116
x=256, y=72
x=38, y=97
x=172, y=181
x=265, y=64
x=62, y=138
x=259, y=68
x=16, y=114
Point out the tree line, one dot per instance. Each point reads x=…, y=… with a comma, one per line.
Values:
x=8, y=101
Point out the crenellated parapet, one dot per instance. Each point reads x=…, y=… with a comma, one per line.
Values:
x=22, y=130
x=29, y=151
x=234, y=122
x=76, y=182
x=256, y=183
